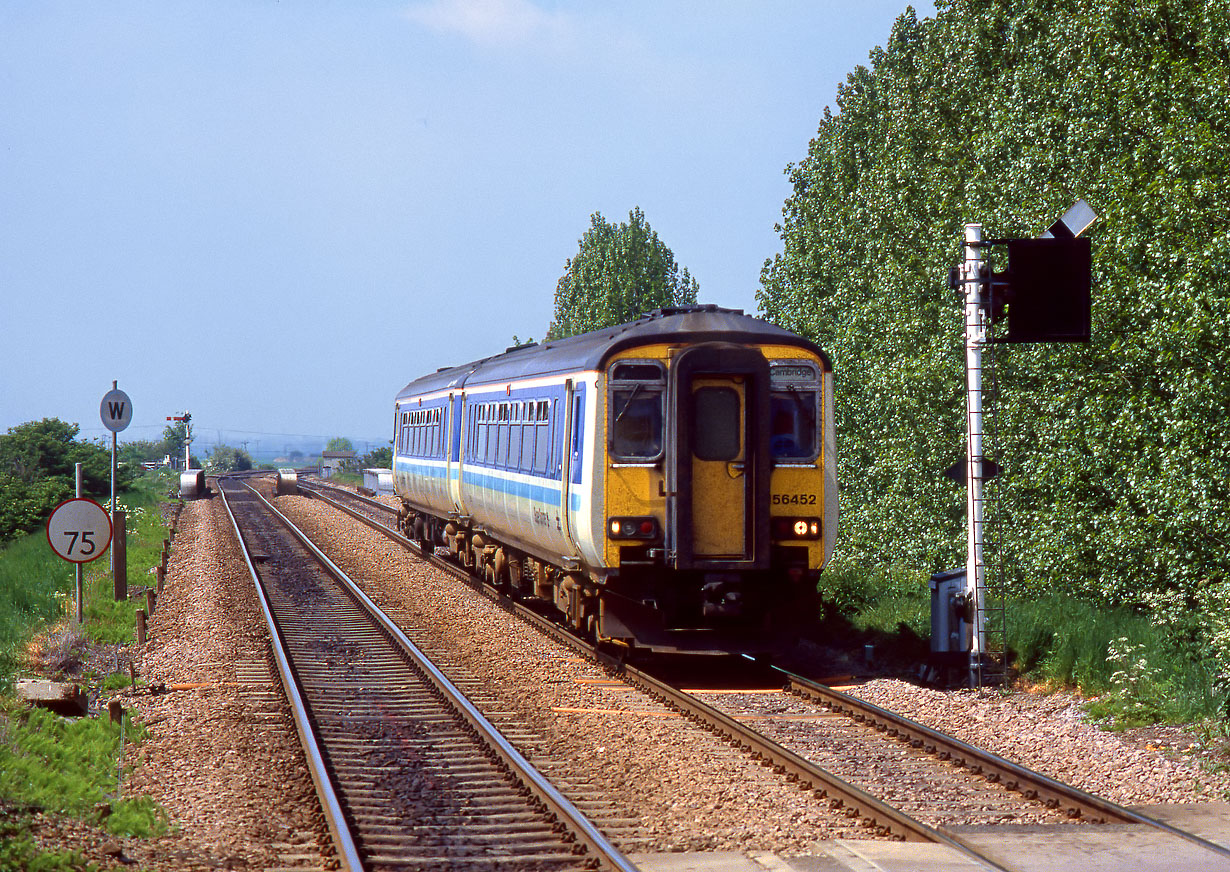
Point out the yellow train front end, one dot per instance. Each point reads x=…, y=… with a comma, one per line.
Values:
x=719, y=493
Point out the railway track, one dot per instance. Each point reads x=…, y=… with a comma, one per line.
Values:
x=409, y=772
x=995, y=788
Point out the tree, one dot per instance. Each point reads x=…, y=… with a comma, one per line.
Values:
x=141, y=451
x=339, y=443
x=225, y=458
x=48, y=449
x=618, y=273
x=175, y=437
x=38, y=469
x=1117, y=482
x=378, y=458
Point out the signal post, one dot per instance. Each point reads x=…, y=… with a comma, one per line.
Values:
x=1045, y=294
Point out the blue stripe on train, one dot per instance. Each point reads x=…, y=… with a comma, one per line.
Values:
x=550, y=495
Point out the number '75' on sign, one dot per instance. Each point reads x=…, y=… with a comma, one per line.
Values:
x=79, y=530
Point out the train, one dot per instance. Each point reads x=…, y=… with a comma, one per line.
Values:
x=666, y=485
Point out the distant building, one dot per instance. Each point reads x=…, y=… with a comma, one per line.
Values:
x=334, y=461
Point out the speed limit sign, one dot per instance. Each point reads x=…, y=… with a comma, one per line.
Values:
x=79, y=530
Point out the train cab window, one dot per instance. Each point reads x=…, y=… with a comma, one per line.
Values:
x=716, y=417
x=636, y=391
x=794, y=410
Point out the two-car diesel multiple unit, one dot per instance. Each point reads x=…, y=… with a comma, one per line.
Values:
x=668, y=484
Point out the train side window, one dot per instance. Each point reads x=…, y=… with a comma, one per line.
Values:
x=542, y=444
x=513, y=458
x=526, y=459
x=636, y=392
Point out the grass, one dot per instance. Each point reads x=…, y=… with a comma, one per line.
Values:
x=69, y=766
x=36, y=588
x=1133, y=671
x=61, y=765
x=109, y=621
x=18, y=850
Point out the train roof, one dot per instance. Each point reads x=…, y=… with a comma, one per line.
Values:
x=590, y=351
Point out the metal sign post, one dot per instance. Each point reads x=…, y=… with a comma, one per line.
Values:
x=975, y=340
x=79, y=530
x=116, y=413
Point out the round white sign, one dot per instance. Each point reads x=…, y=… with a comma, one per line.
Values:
x=79, y=530
x=116, y=410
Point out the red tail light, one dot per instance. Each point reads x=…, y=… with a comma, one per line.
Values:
x=632, y=528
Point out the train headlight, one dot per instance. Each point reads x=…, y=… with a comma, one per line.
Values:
x=632, y=528
x=804, y=529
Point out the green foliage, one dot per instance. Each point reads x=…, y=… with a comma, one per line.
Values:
x=38, y=469
x=175, y=436
x=225, y=458
x=25, y=505
x=18, y=851
x=116, y=681
x=619, y=272
x=109, y=621
x=142, y=451
x=339, y=443
x=35, y=589
x=69, y=765
x=851, y=590
x=1136, y=671
x=378, y=458
x=1118, y=473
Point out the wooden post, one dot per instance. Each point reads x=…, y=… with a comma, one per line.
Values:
x=140, y=626
x=115, y=710
x=162, y=577
x=119, y=554
x=149, y=601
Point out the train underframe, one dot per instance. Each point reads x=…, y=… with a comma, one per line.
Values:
x=643, y=605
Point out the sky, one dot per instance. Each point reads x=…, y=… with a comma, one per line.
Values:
x=275, y=215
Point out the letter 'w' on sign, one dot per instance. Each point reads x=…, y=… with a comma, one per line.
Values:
x=116, y=410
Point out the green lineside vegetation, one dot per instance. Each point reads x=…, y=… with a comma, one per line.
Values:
x=1001, y=112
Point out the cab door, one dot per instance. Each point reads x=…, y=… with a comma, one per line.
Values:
x=718, y=468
